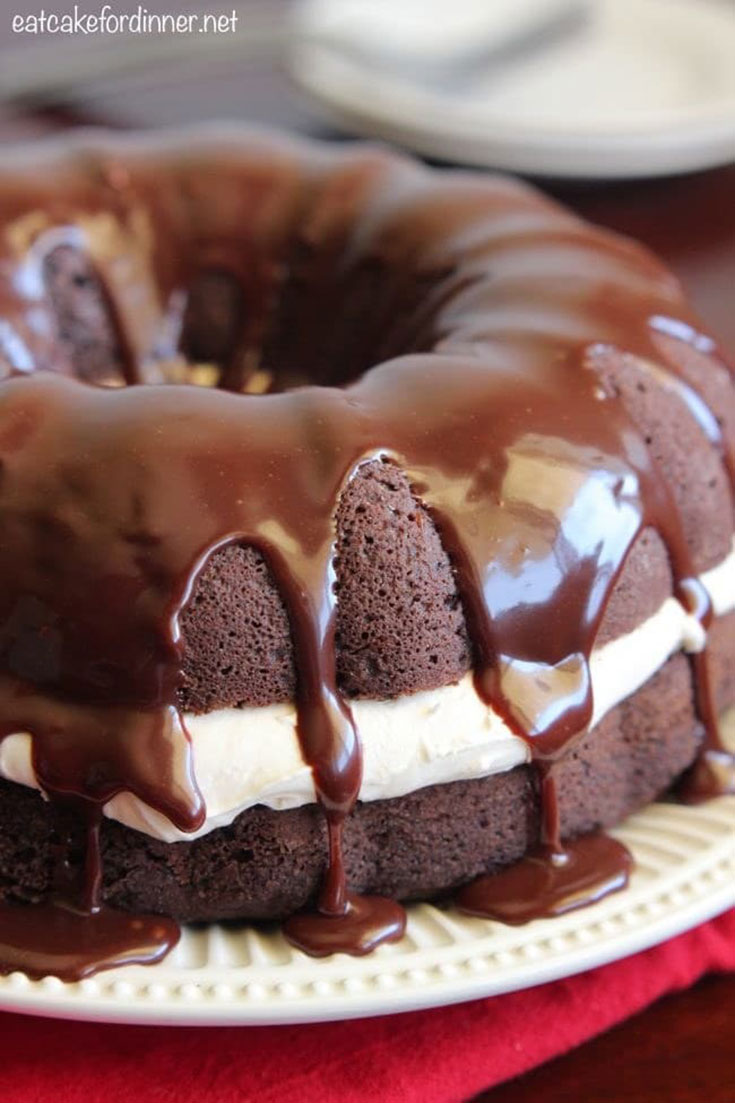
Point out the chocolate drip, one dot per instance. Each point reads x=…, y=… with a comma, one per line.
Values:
x=364, y=923
x=713, y=774
x=72, y=934
x=57, y=939
x=550, y=882
x=557, y=877
x=536, y=477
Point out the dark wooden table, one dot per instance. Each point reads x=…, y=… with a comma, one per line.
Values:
x=682, y=1050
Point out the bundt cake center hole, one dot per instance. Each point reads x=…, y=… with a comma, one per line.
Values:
x=305, y=322
x=269, y=328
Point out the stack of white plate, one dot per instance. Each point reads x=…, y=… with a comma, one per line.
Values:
x=568, y=88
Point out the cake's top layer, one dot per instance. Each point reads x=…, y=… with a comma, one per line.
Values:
x=533, y=368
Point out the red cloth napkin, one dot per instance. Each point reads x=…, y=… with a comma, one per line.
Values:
x=437, y=1056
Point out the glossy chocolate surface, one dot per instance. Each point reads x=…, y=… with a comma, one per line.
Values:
x=55, y=939
x=550, y=883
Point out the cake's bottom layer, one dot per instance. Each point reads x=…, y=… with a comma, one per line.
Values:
x=268, y=864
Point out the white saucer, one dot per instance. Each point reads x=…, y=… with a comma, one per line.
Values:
x=642, y=88
x=685, y=873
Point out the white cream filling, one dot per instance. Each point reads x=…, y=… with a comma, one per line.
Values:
x=249, y=756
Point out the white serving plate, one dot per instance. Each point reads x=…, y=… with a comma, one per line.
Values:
x=685, y=874
x=646, y=88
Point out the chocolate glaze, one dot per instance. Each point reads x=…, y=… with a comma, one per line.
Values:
x=72, y=934
x=364, y=923
x=57, y=939
x=550, y=882
x=112, y=500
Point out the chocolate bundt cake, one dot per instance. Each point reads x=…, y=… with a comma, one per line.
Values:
x=367, y=533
